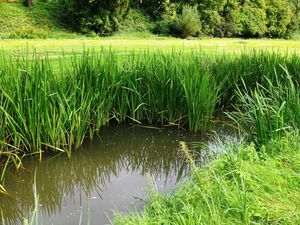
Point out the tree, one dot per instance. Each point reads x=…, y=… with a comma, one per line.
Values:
x=253, y=20
x=28, y=3
x=247, y=18
x=279, y=18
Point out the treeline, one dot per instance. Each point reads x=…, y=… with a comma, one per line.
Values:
x=222, y=18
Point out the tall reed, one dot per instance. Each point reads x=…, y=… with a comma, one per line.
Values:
x=55, y=107
x=270, y=110
x=42, y=108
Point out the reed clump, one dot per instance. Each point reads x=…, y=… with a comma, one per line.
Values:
x=270, y=110
x=47, y=107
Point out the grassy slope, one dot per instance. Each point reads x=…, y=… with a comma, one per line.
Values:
x=236, y=188
x=14, y=17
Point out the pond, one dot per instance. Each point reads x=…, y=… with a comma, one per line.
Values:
x=114, y=173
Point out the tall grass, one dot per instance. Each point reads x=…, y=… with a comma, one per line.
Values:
x=270, y=110
x=249, y=184
x=45, y=107
x=238, y=187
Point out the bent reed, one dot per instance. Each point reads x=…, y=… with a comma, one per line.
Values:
x=45, y=107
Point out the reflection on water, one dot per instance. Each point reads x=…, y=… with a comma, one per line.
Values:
x=109, y=174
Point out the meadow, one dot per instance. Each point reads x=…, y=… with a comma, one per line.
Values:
x=54, y=47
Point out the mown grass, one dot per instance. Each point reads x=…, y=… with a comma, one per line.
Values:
x=242, y=186
x=124, y=45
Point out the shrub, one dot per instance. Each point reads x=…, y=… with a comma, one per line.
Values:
x=211, y=23
x=135, y=21
x=102, y=24
x=28, y=32
x=188, y=22
x=164, y=26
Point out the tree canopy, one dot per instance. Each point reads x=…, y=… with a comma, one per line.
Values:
x=224, y=18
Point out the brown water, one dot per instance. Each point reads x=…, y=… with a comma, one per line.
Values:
x=112, y=174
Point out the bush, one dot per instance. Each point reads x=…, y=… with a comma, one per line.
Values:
x=135, y=21
x=28, y=32
x=99, y=16
x=101, y=24
x=211, y=23
x=164, y=26
x=188, y=22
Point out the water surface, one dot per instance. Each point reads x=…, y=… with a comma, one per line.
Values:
x=114, y=173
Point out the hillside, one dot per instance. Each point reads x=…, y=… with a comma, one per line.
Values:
x=41, y=21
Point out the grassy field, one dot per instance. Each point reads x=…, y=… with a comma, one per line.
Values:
x=213, y=45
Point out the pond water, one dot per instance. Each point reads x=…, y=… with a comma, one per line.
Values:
x=114, y=173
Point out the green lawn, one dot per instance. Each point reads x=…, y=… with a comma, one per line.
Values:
x=214, y=45
x=56, y=48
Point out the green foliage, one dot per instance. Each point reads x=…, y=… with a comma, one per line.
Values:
x=184, y=24
x=28, y=32
x=253, y=20
x=72, y=102
x=279, y=18
x=164, y=26
x=99, y=16
x=198, y=91
x=295, y=23
x=135, y=21
x=188, y=22
x=271, y=18
x=42, y=111
x=269, y=111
